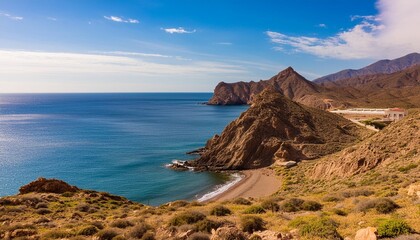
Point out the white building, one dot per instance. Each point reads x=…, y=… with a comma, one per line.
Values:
x=395, y=114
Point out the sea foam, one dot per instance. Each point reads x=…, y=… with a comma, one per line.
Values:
x=219, y=189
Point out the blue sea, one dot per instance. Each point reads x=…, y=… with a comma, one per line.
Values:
x=118, y=143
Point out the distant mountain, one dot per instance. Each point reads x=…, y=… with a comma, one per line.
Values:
x=399, y=89
x=274, y=129
x=380, y=67
x=288, y=83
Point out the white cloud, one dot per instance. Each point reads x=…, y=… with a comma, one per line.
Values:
x=17, y=18
x=322, y=25
x=121, y=20
x=52, y=18
x=225, y=43
x=26, y=62
x=180, y=30
x=391, y=33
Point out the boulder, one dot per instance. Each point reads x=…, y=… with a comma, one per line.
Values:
x=43, y=185
x=368, y=233
x=224, y=233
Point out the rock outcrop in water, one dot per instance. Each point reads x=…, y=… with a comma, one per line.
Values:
x=274, y=129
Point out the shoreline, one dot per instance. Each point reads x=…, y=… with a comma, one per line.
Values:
x=254, y=183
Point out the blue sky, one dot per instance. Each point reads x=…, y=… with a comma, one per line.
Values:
x=187, y=45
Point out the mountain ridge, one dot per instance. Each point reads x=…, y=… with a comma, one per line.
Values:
x=385, y=66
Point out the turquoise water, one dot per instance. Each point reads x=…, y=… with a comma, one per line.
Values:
x=117, y=143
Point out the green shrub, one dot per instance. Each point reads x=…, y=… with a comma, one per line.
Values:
x=241, y=201
x=220, y=211
x=206, y=225
x=68, y=194
x=43, y=211
x=120, y=223
x=251, y=224
x=139, y=230
x=106, y=234
x=382, y=205
x=392, y=227
x=311, y=206
x=186, y=218
x=57, y=234
x=407, y=168
x=88, y=231
x=254, y=209
x=316, y=227
x=331, y=198
x=357, y=193
x=291, y=205
x=339, y=212
x=41, y=205
x=149, y=235
x=270, y=204
x=199, y=236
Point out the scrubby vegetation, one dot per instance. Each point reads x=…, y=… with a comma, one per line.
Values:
x=316, y=227
x=254, y=209
x=220, y=210
x=392, y=227
x=251, y=224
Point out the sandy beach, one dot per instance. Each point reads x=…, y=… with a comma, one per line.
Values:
x=256, y=183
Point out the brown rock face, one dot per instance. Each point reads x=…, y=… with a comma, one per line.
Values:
x=397, y=144
x=288, y=83
x=277, y=129
x=43, y=185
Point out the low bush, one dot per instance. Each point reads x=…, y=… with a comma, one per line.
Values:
x=316, y=227
x=241, y=201
x=220, y=211
x=179, y=203
x=255, y=237
x=106, y=234
x=41, y=205
x=254, y=209
x=291, y=205
x=392, y=228
x=270, y=204
x=407, y=168
x=43, y=211
x=88, y=231
x=186, y=218
x=120, y=223
x=207, y=225
x=139, y=230
x=149, y=235
x=332, y=198
x=57, y=234
x=311, y=206
x=357, y=193
x=382, y=205
x=83, y=207
x=339, y=212
x=251, y=224
x=199, y=236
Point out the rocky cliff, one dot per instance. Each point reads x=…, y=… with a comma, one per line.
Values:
x=396, y=146
x=288, y=82
x=274, y=129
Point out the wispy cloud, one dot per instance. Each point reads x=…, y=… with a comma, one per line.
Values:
x=121, y=19
x=12, y=17
x=179, y=30
x=391, y=33
x=322, y=25
x=52, y=18
x=224, y=43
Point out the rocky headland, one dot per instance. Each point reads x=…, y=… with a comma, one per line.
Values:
x=276, y=129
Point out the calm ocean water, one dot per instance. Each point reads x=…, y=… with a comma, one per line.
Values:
x=117, y=143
